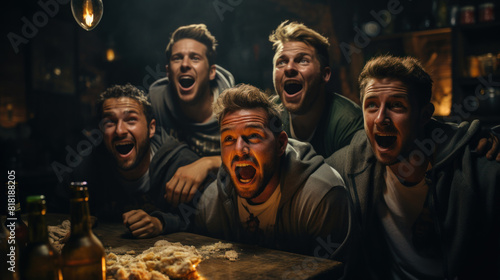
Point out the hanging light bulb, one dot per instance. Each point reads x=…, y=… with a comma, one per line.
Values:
x=87, y=13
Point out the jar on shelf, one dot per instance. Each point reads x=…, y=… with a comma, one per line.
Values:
x=487, y=12
x=467, y=15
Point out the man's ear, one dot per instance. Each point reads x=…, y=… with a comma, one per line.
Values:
x=426, y=113
x=282, y=142
x=212, y=72
x=152, y=128
x=326, y=73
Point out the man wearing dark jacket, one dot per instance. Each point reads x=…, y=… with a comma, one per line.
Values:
x=126, y=175
x=182, y=105
x=428, y=207
x=271, y=190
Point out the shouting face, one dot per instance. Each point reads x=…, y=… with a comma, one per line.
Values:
x=298, y=77
x=251, y=153
x=392, y=119
x=189, y=71
x=127, y=133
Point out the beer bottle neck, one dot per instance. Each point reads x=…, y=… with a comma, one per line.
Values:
x=80, y=216
x=37, y=231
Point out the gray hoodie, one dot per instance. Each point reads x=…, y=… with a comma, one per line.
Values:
x=313, y=215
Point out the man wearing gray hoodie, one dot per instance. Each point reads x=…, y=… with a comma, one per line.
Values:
x=182, y=105
x=270, y=190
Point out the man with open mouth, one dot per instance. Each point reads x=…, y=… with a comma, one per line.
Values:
x=301, y=71
x=271, y=190
x=182, y=104
x=428, y=205
x=126, y=175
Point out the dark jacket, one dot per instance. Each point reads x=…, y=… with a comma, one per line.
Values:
x=463, y=199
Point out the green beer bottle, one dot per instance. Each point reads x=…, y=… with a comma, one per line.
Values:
x=39, y=260
x=83, y=255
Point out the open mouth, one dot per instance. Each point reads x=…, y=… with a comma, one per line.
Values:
x=124, y=149
x=186, y=82
x=385, y=141
x=292, y=87
x=245, y=173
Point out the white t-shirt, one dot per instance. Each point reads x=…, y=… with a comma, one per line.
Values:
x=399, y=210
x=258, y=220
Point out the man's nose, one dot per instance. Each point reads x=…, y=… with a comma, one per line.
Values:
x=291, y=69
x=186, y=63
x=382, y=118
x=120, y=128
x=242, y=147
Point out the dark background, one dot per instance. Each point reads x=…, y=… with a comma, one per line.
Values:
x=48, y=88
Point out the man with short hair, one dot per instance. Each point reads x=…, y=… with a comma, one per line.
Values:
x=301, y=70
x=428, y=206
x=270, y=190
x=126, y=174
x=182, y=104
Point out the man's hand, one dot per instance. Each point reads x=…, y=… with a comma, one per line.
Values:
x=142, y=225
x=188, y=179
x=490, y=146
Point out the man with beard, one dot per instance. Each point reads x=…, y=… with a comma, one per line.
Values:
x=270, y=190
x=182, y=105
x=301, y=71
x=428, y=206
x=127, y=174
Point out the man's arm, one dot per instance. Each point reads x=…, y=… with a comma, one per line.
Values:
x=190, y=178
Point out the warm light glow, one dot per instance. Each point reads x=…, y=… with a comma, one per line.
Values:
x=110, y=55
x=88, y=15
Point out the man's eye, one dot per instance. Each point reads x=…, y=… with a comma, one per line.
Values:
x=196, y=58
x=370, y=105
x=280, y=63
x=107, y=123
x=397, y=105
x=254, y=137
x=304, y=60
x=175, y=58
x=228, y=138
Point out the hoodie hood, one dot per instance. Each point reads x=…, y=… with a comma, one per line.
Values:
x=455, y=137
x=298, y=163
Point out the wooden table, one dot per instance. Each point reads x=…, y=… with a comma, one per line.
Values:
x=253, y=263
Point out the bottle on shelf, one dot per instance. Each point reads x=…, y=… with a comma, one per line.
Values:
x=83, y=254
x=39, y=260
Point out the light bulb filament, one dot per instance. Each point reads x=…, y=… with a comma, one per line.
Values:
x=88, y=15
